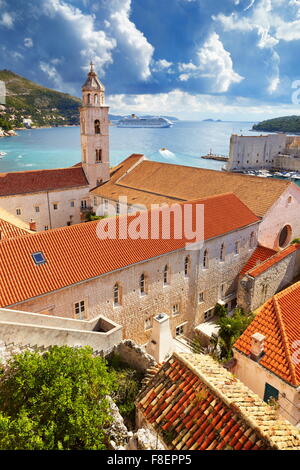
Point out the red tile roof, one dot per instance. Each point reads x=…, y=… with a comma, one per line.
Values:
x=193, y=403
x=279, y=321
x=76, y=253
x=258, y=256
x=148, y=182
x=8, y=230
x=261, y=268
x=34, y=181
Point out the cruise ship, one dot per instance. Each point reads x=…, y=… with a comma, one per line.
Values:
x=153, y=122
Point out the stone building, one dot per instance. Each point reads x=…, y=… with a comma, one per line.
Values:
x=194, y=403
x=59, y=197
x=273, y=151
x=267, y=355
x=137, y=183
x=74, y=273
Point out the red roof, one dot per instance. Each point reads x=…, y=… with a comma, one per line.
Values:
x=279, y=321
x=76, y=253
x=8, y=230
x=23, y=182
x=194, y=403
x=258, y=256
x=273, y=260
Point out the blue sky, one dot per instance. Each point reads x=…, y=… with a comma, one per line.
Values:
x=196, y=59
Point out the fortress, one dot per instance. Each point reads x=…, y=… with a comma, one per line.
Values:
x=273, y=151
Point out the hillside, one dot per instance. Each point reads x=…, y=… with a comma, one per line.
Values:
x=26, y=99
x=290, y=124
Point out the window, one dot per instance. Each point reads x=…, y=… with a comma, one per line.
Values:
x=38, y=258
x=285, y=236
x=98, y=155
x=72, y=203
x=55, y=207
x=222, y=252
x=95, y=201
x=37, y=209
x=96, y=99
x=175, y=309
x=116, y=295
x=222, y=290
x=142, y=284
x=105, y=204
x=209, y=314
x=205, y=259
x=252, y=240
x=83, y=204
x=237, y=248
x=148, y=323
x=289, y=199
x=200, y=297
x=89, y=98
x=186, y=266
x=46, y=227
x=179, y=330
x=18, y=211
x=97, y=126
x=117, y=208
x=166, y=275
x=79, y=310
x=270, y=392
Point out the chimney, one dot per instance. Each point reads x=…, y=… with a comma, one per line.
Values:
x=160, y=345
x=32, y=226
x=257, y=346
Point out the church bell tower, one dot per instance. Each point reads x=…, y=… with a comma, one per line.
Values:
x=94, y=131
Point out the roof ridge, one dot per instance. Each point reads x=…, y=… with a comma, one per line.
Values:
x=249, y=418
x=285, y=339
x=279, y=253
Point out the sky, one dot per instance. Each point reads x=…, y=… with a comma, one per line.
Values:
x=194, y=59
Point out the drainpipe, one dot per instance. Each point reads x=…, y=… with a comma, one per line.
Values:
x=49, y=210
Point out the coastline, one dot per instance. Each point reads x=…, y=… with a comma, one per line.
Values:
x=13, y=132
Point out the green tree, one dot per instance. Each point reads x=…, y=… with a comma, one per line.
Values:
x=55, y=400
x=230, y=329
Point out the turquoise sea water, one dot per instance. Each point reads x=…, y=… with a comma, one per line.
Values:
x=185, y=142
x=59, y=147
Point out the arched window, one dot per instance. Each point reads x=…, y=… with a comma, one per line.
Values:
x=142, y=284
x=96, y=99
x=222, y=252
x=186, y=266
x=89, y=98
x=98, y=155
x=116, y=294
x=83, y=126
x=97, y=126
x=205, y=259
x=166, y=275
x=252, y=240
x=285, y=236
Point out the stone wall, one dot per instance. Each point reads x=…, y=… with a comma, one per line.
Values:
x=133, y=355
x=135, y=311
x=47, y=216
x=254, y=291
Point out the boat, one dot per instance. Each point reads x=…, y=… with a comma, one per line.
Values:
x=2, y=154
x=155, y=122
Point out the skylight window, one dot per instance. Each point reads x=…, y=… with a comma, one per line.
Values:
x=38, y=258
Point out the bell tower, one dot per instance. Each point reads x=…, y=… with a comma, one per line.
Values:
x=94, y=131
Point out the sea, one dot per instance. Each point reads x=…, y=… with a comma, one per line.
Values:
x=184, y=143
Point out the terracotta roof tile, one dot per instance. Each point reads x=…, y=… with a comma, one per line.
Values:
x=8, y=230
x=69, y=261
x=220, y=412
x=268, y=263
x=153, y=182
x=258, y=256
x=279, y=321
x=23, y=182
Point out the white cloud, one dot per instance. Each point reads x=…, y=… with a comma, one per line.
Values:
x=7, y=20
x=95, y=44
x=213, y=62
x=28, y=42
x=188, y=105
x=140, y=51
